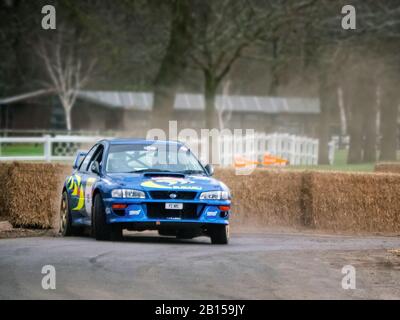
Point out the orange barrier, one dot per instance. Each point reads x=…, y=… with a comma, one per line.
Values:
x=268, y=160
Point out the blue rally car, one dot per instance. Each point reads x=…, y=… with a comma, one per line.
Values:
x=144, y=185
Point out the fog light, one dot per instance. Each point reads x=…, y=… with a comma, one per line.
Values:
x=224, y=208
x=119, y=206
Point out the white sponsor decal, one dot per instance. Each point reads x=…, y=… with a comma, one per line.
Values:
x=212, y=213
x=88, y=194
x=134, y=212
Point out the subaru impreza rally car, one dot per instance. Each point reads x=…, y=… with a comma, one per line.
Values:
x=144, y=185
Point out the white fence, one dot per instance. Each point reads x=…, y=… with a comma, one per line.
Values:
x=298, y=150
x=58, y=148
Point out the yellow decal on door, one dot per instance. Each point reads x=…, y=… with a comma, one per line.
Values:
x=81, y=201
x=75, y=184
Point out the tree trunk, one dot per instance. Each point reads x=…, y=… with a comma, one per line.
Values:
x=389, y=115
x=210, y=88
x=355, y=127
x=172, y=65
x=327, y=95
x=274, y=84
x=355, y=133
x=370, y=128
x=210, y=112
x=343, y=112
x=362, y=126
x=68, y=119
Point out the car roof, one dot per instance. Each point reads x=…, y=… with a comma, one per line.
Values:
x=140, y=141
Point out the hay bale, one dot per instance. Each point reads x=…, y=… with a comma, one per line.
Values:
x=265, y=198
x=388, y=167
x=4, y=176
x=355, y=202
x=30, y=197
x=33, y=194
x=307, y=200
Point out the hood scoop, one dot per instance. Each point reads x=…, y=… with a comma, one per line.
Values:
x=163, y=174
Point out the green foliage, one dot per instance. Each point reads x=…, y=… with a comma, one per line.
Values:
x=340, y=164
x=21, y=150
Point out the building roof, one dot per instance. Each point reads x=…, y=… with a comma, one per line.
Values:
x=189, y=101
x=119, y=99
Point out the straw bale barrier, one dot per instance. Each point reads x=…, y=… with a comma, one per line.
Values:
x=356, y=202
x=370, y=202
x=32, y=196
x=4, y=174
x=392, y=167
x=336, y=201
x=265, y=197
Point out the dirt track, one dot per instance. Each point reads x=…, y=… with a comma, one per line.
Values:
x=253, y=266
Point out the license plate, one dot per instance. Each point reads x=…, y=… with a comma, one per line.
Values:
x=174, y=206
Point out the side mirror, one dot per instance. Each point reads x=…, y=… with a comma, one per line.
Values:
x=95, y=167
x=210, y=169
x=79, y=158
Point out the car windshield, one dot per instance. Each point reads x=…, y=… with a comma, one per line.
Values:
x=135, y=158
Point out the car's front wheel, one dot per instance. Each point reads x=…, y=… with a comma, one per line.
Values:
x=101, y=230
x=66, y=227
x=219, y=234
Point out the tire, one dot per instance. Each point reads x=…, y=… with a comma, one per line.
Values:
x=66, y=228
x=116, y=233
x=219, y=234
x=100, y=229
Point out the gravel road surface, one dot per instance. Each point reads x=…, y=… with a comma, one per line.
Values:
x=252, y=266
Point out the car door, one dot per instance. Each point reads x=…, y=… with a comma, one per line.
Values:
x=78, y=186
x=91, y=178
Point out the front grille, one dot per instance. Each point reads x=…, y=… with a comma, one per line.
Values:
x=180, y=195
x=189, y=211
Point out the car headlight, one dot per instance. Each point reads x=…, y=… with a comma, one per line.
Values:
x=214, y=195
x=128, y=193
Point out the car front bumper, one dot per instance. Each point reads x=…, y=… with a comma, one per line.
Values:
x=137, y=211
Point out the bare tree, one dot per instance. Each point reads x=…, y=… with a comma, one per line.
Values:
x=173, y=63
x=223, y=30
x=224, y=109
x=389, y=107
x=340, y=57
x=65, y=71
